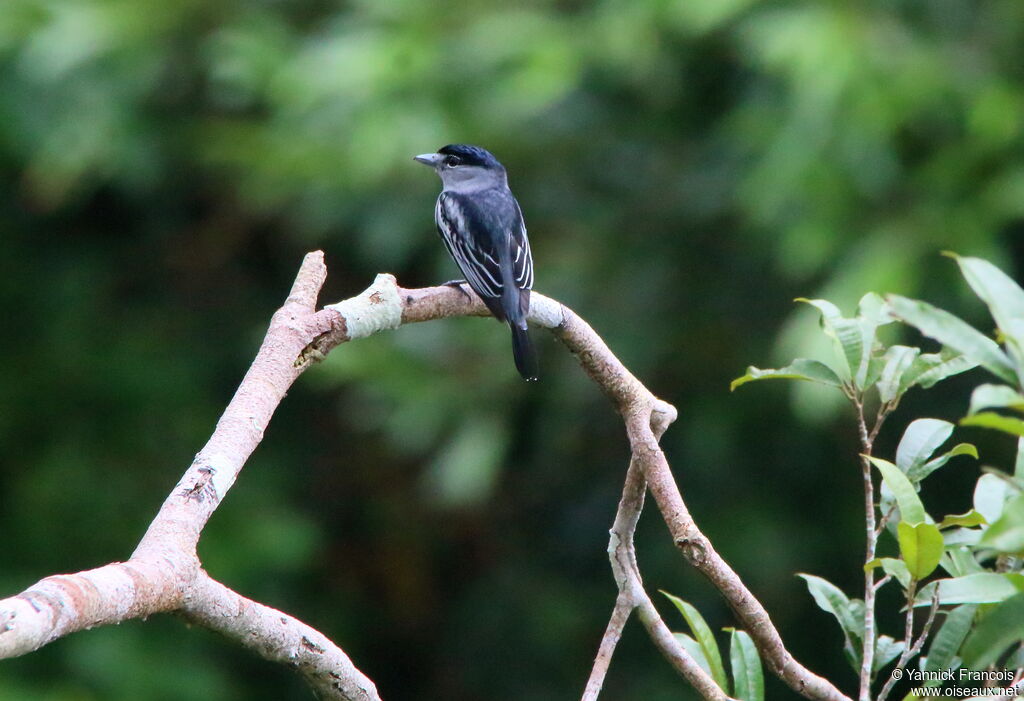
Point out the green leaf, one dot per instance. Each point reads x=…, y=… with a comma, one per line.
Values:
x=921, y=438
x=845, y=334
x=981, y=588
x=1001, y=627
x=990, y=495
x=706, y=639
x=921, y=546
x=990, y=419
x=1018, y=466
x=747, y=675
x=892, y=566
x=887, y=649
x=872, y=312
x=995, y=397
x=919, y=473
x=929, y=368
x=873, y=309
x=1003, y=296
x=693, y=649
x=831, y=599
x=961, y=536
x=955, y=333
x=967, y=520
x=1006, y=534
x=895, y=363
x=799, y=369
x=854, y=338
x=876, y=364
x=959, y=561
x=829, y=311
x=911, y=508
x=947, y=641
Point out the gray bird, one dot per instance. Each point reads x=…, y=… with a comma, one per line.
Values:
x=482, y=227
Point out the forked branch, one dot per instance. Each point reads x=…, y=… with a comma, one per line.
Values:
x=164, y=573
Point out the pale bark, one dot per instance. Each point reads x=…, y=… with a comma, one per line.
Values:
x=164, y=573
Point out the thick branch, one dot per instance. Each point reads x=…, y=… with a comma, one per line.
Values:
x=240, y=428
x=63, y=603
x=164, y=573
x=280, y=638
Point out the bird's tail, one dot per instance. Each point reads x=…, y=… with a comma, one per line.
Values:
x=522, y=351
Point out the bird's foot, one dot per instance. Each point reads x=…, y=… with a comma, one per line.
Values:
x=457, y=284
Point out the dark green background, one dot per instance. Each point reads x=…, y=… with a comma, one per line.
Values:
x=686, y=169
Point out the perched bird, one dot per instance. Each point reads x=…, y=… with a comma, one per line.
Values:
x=482, y=227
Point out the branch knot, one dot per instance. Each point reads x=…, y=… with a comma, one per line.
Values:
x=379, y=307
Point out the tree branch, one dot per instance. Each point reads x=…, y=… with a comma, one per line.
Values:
x=164, y=573
x=277, y=637
x=867, y=441
x=646, y=418
x=620, y=614
x=622, y=553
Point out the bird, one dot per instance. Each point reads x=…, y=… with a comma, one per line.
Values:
x=482, y=227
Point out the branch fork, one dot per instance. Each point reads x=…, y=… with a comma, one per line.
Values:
x=164, y=573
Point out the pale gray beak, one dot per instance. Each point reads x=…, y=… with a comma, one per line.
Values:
x=430, y=159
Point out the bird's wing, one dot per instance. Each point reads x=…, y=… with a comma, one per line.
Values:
x=469, y=241
x=522, y=260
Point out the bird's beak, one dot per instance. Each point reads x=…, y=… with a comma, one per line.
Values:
x=430, y=159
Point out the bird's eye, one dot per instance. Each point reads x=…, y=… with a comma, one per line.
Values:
x=453, y=161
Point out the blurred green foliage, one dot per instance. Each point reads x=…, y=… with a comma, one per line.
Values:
x=686, y=168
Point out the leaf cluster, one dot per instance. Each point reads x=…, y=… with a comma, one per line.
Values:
x=979, y=551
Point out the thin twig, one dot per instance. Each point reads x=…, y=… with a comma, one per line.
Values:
x=622, y=555
x=884, y=521
x=880, y=416
x=868, y=649
x=911, y=649
x=613, y=632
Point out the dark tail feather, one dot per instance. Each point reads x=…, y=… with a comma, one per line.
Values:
x=522, y=351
